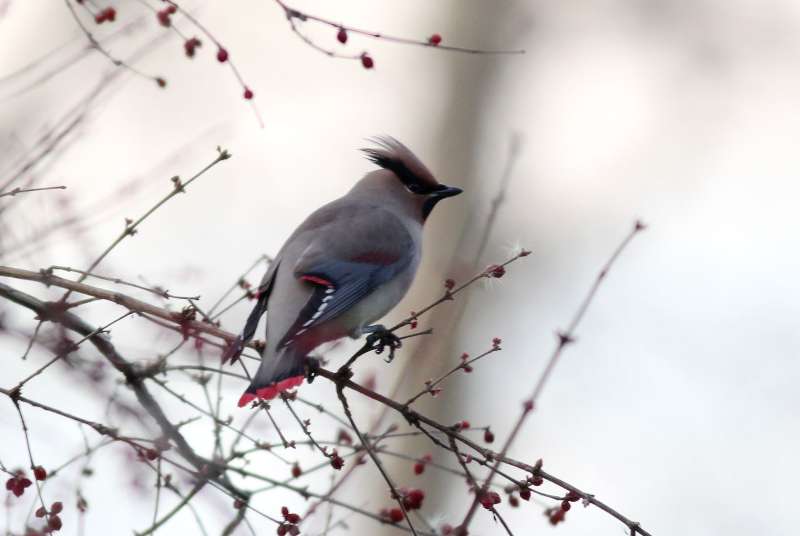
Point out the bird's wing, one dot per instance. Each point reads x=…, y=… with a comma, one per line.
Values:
x=346, y=260
x=233, y=351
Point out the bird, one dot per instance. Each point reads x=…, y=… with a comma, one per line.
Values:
x=345, y=267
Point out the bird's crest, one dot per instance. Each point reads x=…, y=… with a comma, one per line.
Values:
x=396, y=157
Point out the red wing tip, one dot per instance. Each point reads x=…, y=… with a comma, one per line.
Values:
x=316, y=280
x=271, y=391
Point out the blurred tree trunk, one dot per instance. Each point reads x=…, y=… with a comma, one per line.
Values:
x=452, y=243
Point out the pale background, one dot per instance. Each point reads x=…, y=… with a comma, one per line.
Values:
x=679, y=404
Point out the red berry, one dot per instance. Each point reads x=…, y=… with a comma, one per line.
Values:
x=282, y=529
x=413, y=499
x=396, y=515
x=54, y=523
x=190, y=45
x=537, y=481
x=367, y=61
x=488, y=436
x=163, y=18
x=496, y=270
x=56, y=507
x=565, y=505
x=40, y=512
x=296, y=471
x=293, y=518
x=248, y=93
x=449, y=284
x=463, y=425
x=489, y=499
x=435, y=39
x=513, y=501
x=419, y=468
x=525, y=494
x=341, y=35
x=161, y=82
x=556, y=516
x=222, y=55
x=39, y=472
x=172, y=9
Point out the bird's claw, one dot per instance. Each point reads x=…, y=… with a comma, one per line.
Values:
x=382, y=339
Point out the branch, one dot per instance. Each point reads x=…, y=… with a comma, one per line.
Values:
x=18, y=190
x=564, y=338
x=133, y=379
x=402, y=409
x=130, y=303
x=395, y=495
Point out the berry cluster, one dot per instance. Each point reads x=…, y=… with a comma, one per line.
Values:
x=18, y=483
x=289, y=524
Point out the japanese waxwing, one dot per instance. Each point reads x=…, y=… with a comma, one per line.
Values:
x=346, y=266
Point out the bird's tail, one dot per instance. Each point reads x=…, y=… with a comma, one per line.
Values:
x=277, y=373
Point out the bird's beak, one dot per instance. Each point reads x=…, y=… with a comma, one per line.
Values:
x=447, y=191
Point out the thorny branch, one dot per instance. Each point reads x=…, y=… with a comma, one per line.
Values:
x=484, y=456
x=564, y=338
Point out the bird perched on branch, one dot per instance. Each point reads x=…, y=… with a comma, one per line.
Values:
x=346, y=266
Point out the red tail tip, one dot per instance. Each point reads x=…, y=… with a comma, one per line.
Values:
x=271, y=391
x=246, y=399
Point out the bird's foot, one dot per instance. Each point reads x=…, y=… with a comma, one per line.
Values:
x=380, y=338
x=344, y=373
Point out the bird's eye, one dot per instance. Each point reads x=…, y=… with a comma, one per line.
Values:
x=415, y=188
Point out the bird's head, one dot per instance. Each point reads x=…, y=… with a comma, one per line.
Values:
x=417, y=184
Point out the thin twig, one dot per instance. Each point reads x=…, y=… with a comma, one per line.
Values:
x=18, y=190
x=564, y=338
x=395, y=495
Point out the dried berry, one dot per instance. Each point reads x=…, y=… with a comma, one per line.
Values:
x=489, y=499
x=190, y=46
x=367, y=61
x=39, y=472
